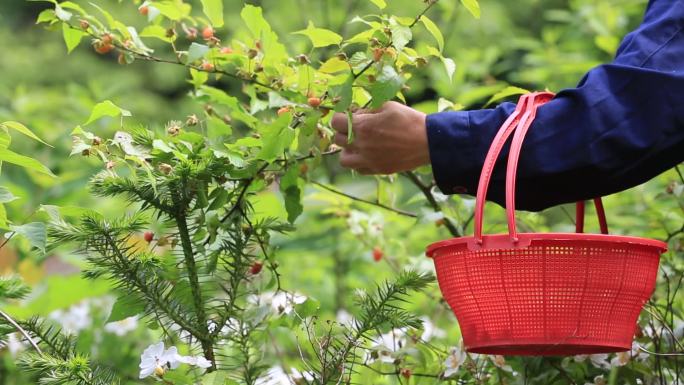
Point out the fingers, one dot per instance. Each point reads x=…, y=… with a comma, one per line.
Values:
x=349, y=159
x=359, y=120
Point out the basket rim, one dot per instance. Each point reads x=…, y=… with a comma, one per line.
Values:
x=500, y=241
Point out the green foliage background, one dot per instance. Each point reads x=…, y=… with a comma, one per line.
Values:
x=532, y=44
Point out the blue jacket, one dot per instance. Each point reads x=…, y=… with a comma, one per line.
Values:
x=621, y=126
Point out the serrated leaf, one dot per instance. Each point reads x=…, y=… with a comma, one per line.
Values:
x=124, y=307
x=506, y=92
x=308, y=308
x=388, y=83
x=47, y=16
x=24, y=161
x=473, y=7
x=345, y=92
x=289, y=187
x=434, y=31
x=214, y=378
x=334, y=65
x=34, y=232
x=320, y=37
x=379, y=3
x=106, y=108
x=6, y=196
x=401, y=36
x=172, y=9
x=274, y=51
x=156, y=31
x=214, y=11
x=72, y=37
x=276, y=137
x=197, y=51
x=23, y=130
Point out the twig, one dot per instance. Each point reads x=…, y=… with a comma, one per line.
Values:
x=357, y=199
x=21, y=331
x=431, y=200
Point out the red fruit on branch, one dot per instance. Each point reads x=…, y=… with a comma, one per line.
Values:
x=148, y=236
x=377, y=254
x=206, y=66
x=107, y=38
x=208, y=33
x=226, y=50
x=406, y=373
x=283, y=110
x=377, y=54
x=144, y=10
x=314, y=102
x=256, y=268
x=102, y=48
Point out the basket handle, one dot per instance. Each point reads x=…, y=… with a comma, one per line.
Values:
x=522, y=118
x=498, y=142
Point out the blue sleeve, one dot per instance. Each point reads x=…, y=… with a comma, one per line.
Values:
x=621, y=126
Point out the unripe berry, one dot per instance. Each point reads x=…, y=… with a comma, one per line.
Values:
x=208, y=32
x=148, y=236
x=314, y=102
x=252, y=53
x=84, y=24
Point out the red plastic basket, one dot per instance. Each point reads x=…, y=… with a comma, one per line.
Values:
x=543, y=294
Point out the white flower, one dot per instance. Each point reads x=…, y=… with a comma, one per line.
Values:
x=361, y=223
x=598, y=360
x=123, y=327
x=14, y=344
x=454, y=360
x=430, y=330
x=277, y=376
x=74, y=319
x=281, y=302
x=500, y=362
x=387, y=344
x=154, y=360
x=345, y=318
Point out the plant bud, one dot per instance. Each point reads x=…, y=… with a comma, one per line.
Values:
x=252, y=53
x=342, y=56
x=192, y=120
x=173, y=127
x=303, y=59
x=165, y=168
x=84, y=24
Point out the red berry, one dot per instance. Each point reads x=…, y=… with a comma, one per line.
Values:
x=377, y=254
x=107, y=38
x=144, y=10
x=208, y=33
x=283, y=110
x=256, y=268
x=226, y=50
x=103, y=48
x=406, y=373
x=148, y=236
x=314, y=102
x=377, y=54
x=257, y=44
x=206, y=66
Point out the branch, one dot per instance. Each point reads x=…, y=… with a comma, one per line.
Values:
x=431, y=200
x=20, y=330
x=357, y=199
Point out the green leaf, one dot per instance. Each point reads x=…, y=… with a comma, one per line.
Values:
x=197, y=51
x=308, y=308
x=106, y=108
x=214, y=11
x=72, y=36
x=333, y=65
x=24, y=161
x=35, y=232
x=236, y=109
x=62, y=14
x=217, y=128
x=276, y=137
x=344, y=91
x=156, y=31
x=47, y=16
x=401, y=36
x=379, y=3
x=506, y=92
x=214, y=378
x=473, y=7
x=320, y=37
x=450, y=67
x=289, y=187
x=172, y=9
x=124, y=307
x=273, y=50
x=23, y=130
x=434, y=31
x=389, y=82
x=6, y=195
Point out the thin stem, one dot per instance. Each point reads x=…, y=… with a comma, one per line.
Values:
x=21, y=331
x=425, y=189
x=357, y=199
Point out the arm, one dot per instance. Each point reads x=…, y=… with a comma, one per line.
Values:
x=622, y=125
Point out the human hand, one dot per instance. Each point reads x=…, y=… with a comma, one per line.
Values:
x=391, y=139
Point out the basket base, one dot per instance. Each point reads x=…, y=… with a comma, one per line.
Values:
x=545, y=349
